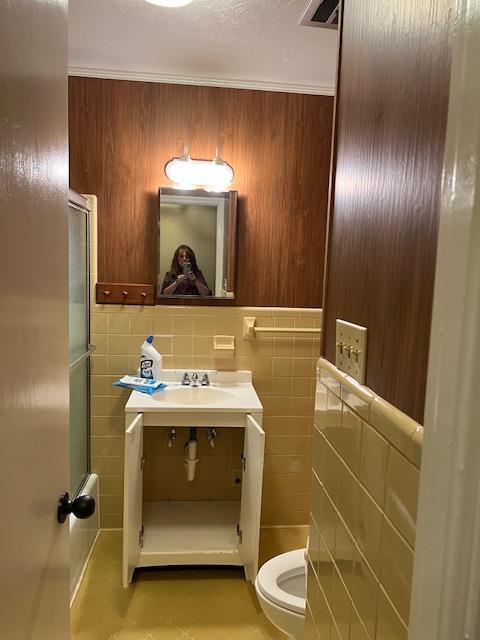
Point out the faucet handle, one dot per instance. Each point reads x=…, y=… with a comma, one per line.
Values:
x=186, y=379
x=205, y=380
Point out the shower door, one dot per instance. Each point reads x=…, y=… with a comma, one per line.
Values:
x=80, y=348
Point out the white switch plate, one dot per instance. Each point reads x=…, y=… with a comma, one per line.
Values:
x=351, y=349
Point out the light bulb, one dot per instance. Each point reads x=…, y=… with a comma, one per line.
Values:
x=179, y=170
x=170, y=3
x=216, y=175
x=220, y=172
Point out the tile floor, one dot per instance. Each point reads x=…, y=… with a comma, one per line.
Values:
x=165, y=604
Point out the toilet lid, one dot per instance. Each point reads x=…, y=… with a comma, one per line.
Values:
x=278, y=570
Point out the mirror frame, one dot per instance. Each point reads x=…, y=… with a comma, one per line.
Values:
x=231, y=198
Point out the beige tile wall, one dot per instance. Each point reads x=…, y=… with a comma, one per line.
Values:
x=277, y=540
x=283, y=373
x=366, y=460
x=164, y=475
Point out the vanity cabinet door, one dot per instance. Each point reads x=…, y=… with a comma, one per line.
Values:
x=253, y=453
x=132, y=502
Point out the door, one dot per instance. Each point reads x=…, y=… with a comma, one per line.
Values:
x=34, y=592
x=133, y=497
x=445, y=600
x=252, y=480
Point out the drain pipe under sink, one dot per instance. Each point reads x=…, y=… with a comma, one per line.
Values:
x=191, y=459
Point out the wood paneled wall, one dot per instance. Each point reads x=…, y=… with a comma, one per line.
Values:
x=390, y=131
x=122, y=133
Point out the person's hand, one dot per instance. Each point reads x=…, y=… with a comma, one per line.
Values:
x=191, y=277
x=180, y=278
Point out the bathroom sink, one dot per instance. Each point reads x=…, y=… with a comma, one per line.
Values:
x=193, y=395
x=229, y=392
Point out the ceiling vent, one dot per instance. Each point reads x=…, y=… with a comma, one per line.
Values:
x=322, y=13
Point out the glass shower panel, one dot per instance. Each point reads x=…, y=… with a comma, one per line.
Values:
x=79, y=327
x=78, y=270
x=79, y=409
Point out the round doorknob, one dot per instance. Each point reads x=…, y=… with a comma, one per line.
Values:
x=82, y=507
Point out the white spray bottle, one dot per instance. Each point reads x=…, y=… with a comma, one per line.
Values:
x=150, y=361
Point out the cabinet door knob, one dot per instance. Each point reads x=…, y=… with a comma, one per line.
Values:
x=124, y=294
x=106, y=293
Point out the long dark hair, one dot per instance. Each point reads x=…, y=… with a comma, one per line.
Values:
x=175, y=267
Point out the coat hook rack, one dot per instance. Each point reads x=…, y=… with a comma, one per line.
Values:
x=125, y=293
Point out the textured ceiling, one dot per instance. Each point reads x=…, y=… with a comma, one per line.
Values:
x=256, y=43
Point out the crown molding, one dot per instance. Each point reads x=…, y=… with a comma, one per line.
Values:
x=205, y=81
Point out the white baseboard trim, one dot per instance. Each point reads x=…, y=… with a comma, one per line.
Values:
x=79, y=582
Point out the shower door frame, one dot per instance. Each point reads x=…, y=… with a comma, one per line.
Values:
x=79, y=204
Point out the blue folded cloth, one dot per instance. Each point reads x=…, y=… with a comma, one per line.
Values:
x=143, y=385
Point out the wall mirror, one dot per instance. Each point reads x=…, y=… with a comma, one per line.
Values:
x=197, y=246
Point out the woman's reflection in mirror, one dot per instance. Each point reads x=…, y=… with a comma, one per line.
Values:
x=184, y=277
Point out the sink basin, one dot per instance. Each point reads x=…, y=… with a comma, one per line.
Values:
x=230, y=392
x=193, y=395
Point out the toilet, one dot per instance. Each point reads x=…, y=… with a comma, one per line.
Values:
x=281, y=591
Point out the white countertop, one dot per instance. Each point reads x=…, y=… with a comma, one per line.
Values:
x=231, y=392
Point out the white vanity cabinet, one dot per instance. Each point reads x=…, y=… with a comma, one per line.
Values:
x=178, y=532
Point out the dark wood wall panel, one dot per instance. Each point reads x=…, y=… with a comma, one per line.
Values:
x=391, y=119
x=122, y=134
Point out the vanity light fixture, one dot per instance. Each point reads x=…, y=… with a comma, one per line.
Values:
x=170, y=3
x=215, y=175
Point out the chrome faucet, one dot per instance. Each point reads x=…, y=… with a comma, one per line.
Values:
x=194, y=382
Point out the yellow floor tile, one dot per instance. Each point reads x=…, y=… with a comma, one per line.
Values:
x=164, y=604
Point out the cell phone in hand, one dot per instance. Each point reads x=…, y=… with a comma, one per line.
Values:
x=186, y=268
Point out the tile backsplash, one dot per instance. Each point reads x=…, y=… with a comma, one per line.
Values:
x=283, y=367
x=365, y=475
x=218, y=472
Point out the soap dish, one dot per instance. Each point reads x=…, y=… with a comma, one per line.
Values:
x=224, y=346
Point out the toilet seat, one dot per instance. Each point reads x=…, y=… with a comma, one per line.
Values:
x=279, y=570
